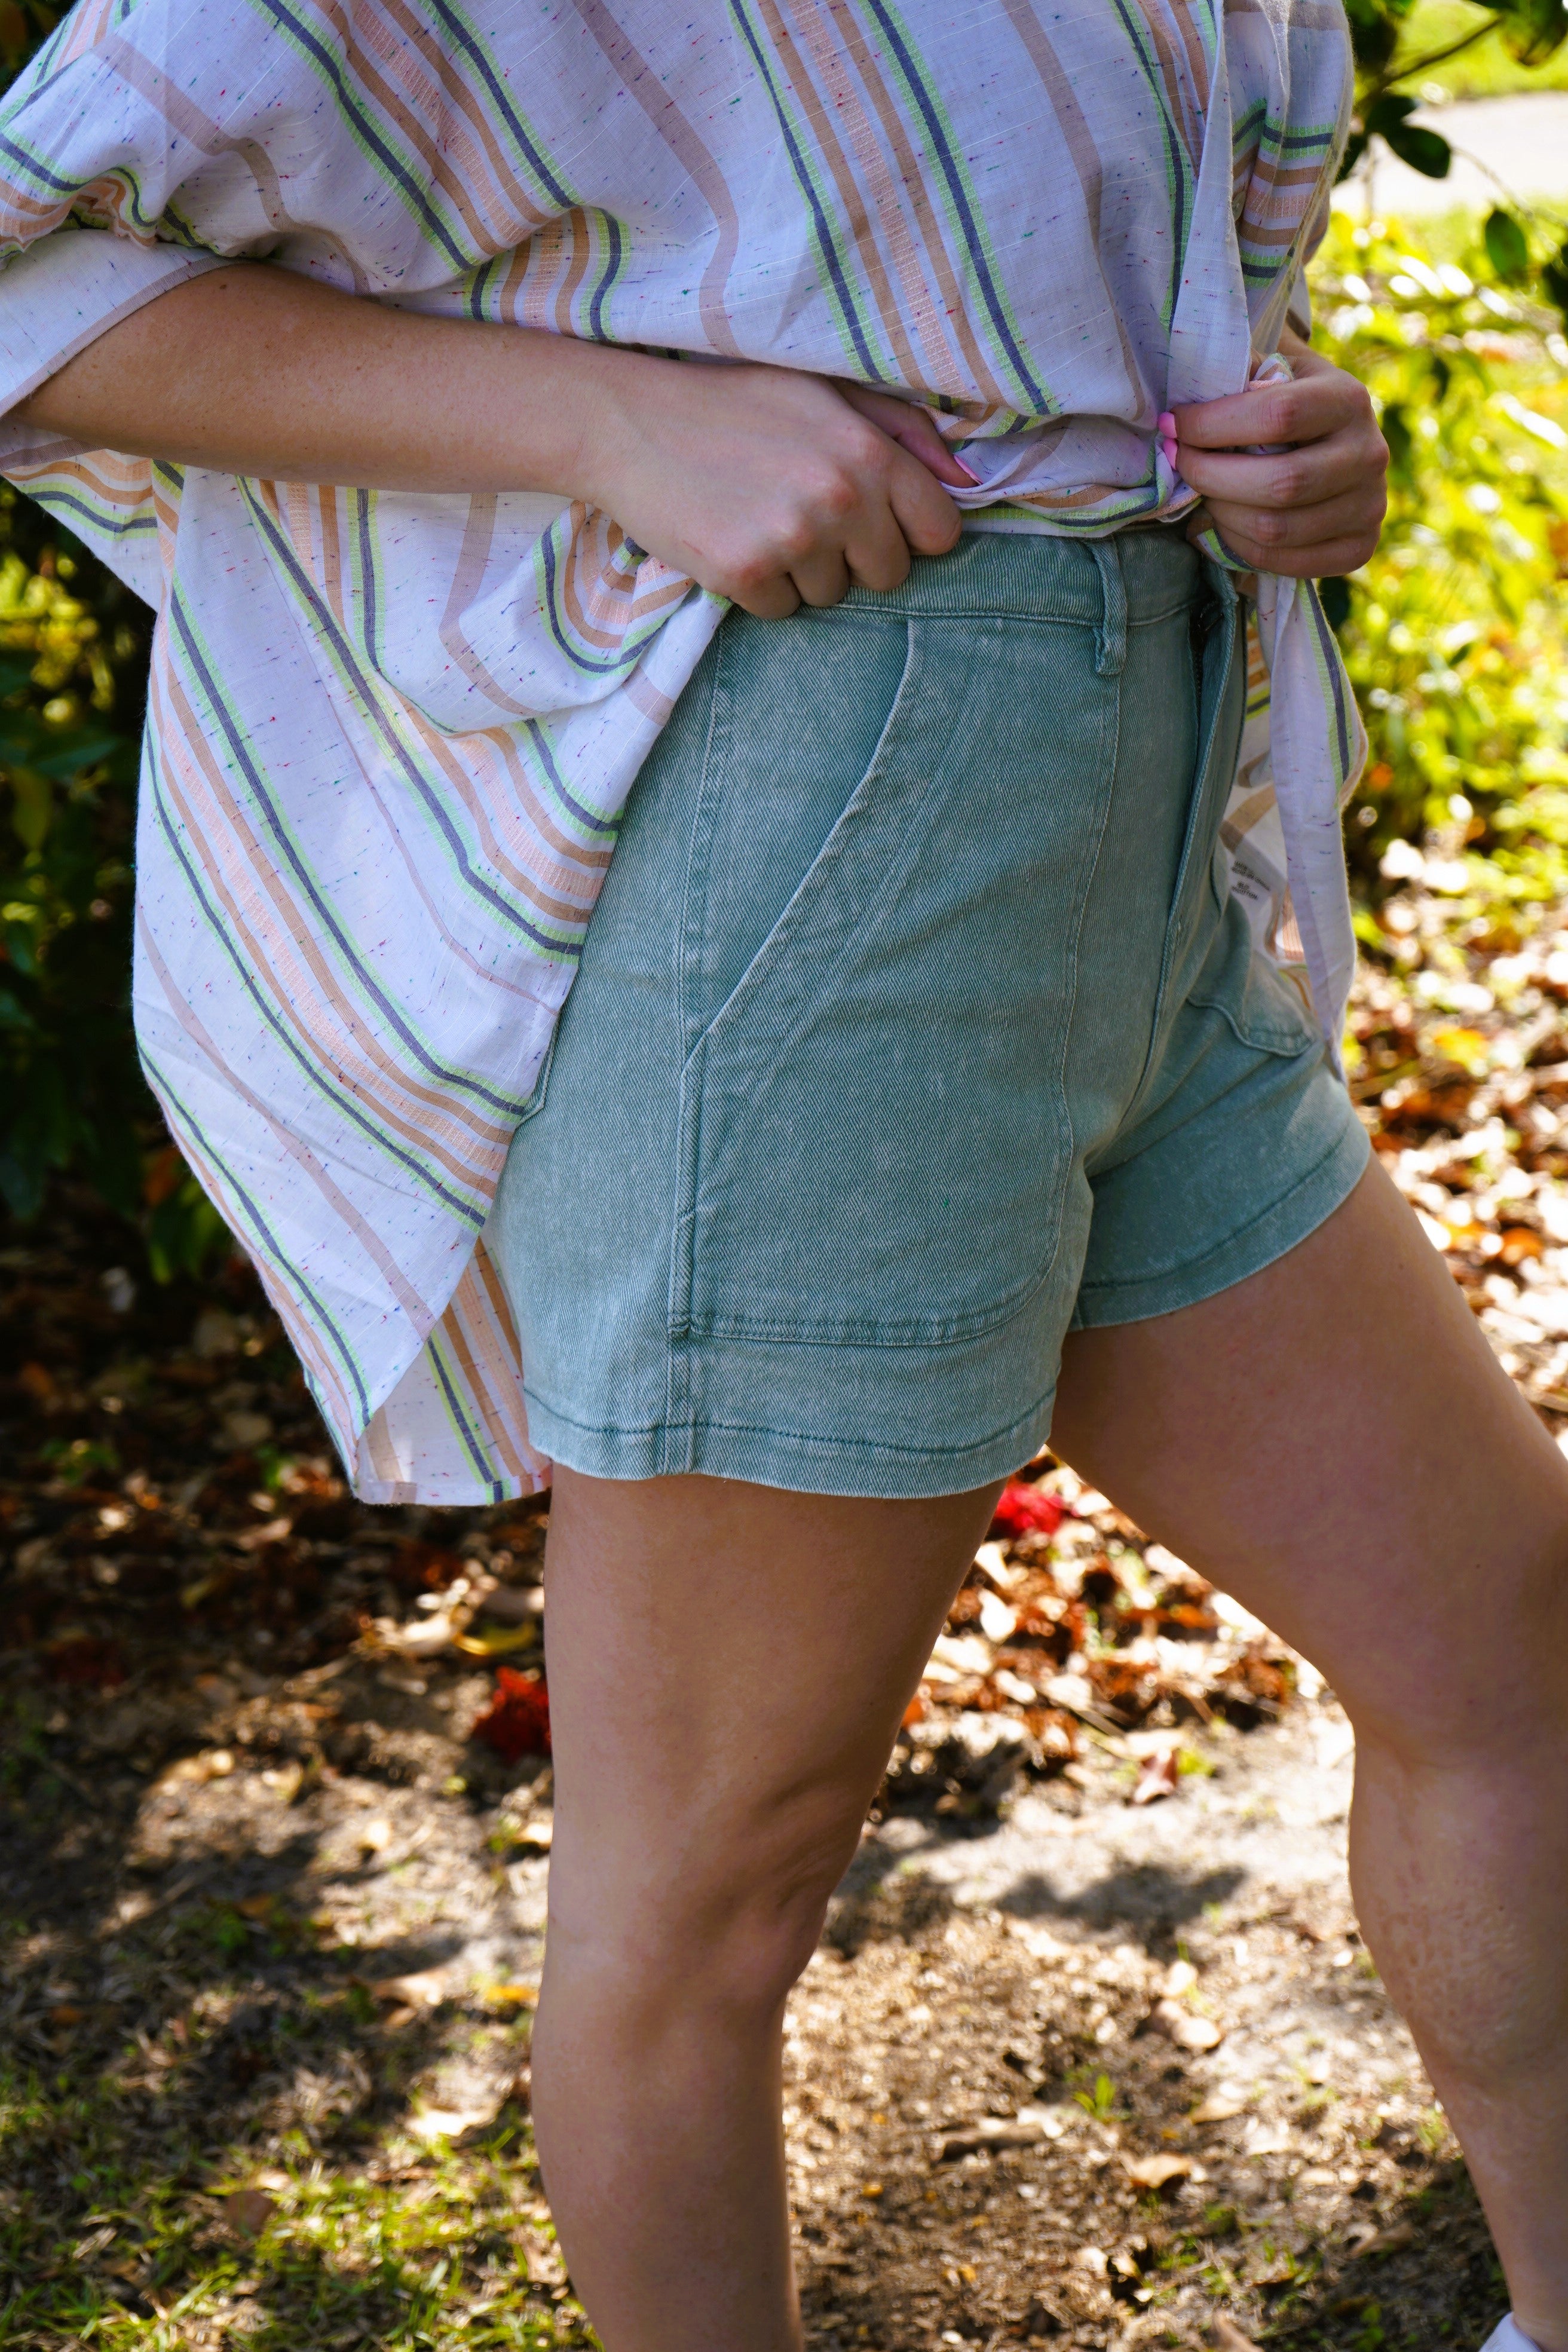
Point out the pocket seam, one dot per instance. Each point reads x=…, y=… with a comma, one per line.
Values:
x=1263, y=1035
x=829, y=850
x=882, y=1332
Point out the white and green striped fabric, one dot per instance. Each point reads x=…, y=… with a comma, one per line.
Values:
x=391, y=736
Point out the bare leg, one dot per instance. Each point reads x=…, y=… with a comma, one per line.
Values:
x=1333, y=1443
x=728, y=1664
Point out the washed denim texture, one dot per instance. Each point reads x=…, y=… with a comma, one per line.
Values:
x=915, y=1024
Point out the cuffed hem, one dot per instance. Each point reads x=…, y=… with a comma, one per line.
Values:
x=1270, y=1235
x=793, y=1460
x=76, y=284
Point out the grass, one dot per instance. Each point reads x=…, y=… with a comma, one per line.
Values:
x=236, y=2058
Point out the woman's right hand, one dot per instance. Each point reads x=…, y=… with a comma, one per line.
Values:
x=769, y=486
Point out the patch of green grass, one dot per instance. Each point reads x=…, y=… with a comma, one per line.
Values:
x=1098, y=2099
x=116, y=2168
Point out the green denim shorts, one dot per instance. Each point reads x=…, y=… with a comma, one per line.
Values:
x=915, y=1025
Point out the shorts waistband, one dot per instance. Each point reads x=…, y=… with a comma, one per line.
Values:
x=1037, y=576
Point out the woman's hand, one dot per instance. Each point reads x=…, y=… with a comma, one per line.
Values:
x=771, y=487
x=1314, y=505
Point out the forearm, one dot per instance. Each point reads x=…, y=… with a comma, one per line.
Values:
x=257, y=371
x=763, y=484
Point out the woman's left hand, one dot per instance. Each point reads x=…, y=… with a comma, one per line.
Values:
x=1314, y=505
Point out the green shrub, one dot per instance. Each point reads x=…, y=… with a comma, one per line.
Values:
x=72, y=657
x=1455, y=634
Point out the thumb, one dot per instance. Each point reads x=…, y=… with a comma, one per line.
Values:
x=913, y=428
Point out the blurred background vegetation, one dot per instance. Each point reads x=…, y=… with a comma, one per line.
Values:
x=1456, y=634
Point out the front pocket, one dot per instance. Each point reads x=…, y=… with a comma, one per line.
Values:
x=875, y=1139
x=1263, y=1005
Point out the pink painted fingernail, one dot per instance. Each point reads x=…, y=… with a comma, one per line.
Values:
x=1166, y=424
x=1169, y=448
x=967, y=470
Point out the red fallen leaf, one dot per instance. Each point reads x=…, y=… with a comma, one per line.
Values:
x=1021, y=1510
x=517, y=1721
x=96, y=1664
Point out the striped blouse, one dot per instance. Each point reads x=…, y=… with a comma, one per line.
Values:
x=390, y=736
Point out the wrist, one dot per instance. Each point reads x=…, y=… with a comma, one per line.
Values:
x=602, y=396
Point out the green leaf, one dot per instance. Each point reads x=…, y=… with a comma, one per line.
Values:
x=1554, y=280
x=1374, y=33
x=1507, y=248
x=1426, y=152
x=1533, y=29
x=1396, y=433
x=34, y=806
x=71, y=753
x=1387, y=112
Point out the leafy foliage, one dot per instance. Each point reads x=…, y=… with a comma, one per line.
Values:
x=72, y=652
x=1456, y=633
x=1524, y=244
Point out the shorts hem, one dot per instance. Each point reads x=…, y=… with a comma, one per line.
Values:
x=791, y=1459
x=1308, y=1204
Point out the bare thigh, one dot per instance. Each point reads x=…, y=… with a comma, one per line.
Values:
x=1334, y=1442
x=728, y=1664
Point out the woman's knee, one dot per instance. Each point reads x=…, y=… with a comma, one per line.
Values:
x=723, y=1907
x=1463, y=1683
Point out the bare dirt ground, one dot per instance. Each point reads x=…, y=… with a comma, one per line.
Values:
x=1092, y=2055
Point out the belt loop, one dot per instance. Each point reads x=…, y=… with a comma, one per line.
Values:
x=1110, y=638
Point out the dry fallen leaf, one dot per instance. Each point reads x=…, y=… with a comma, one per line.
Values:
x=496, y=1640
x=1184, y=2027
x=427, y=1990
x=212, y=1764
x=248, y=2210
x=998, y=1619
x=421, y=1637
x=1217, y=2110
x=1386, y=2241
x=450, y=2123
x=1159, y=1776
x=1228, y=2336
x=1159, y=2171
x=991, y=2132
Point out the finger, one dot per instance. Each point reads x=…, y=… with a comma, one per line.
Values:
x=879, y=556
x=1355, y=512
x=921, y=508
x=1327, y=559
x=821, y=579
x=1266, y=413
x=1294, y=478
x=914, y=429
x=766, y=596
